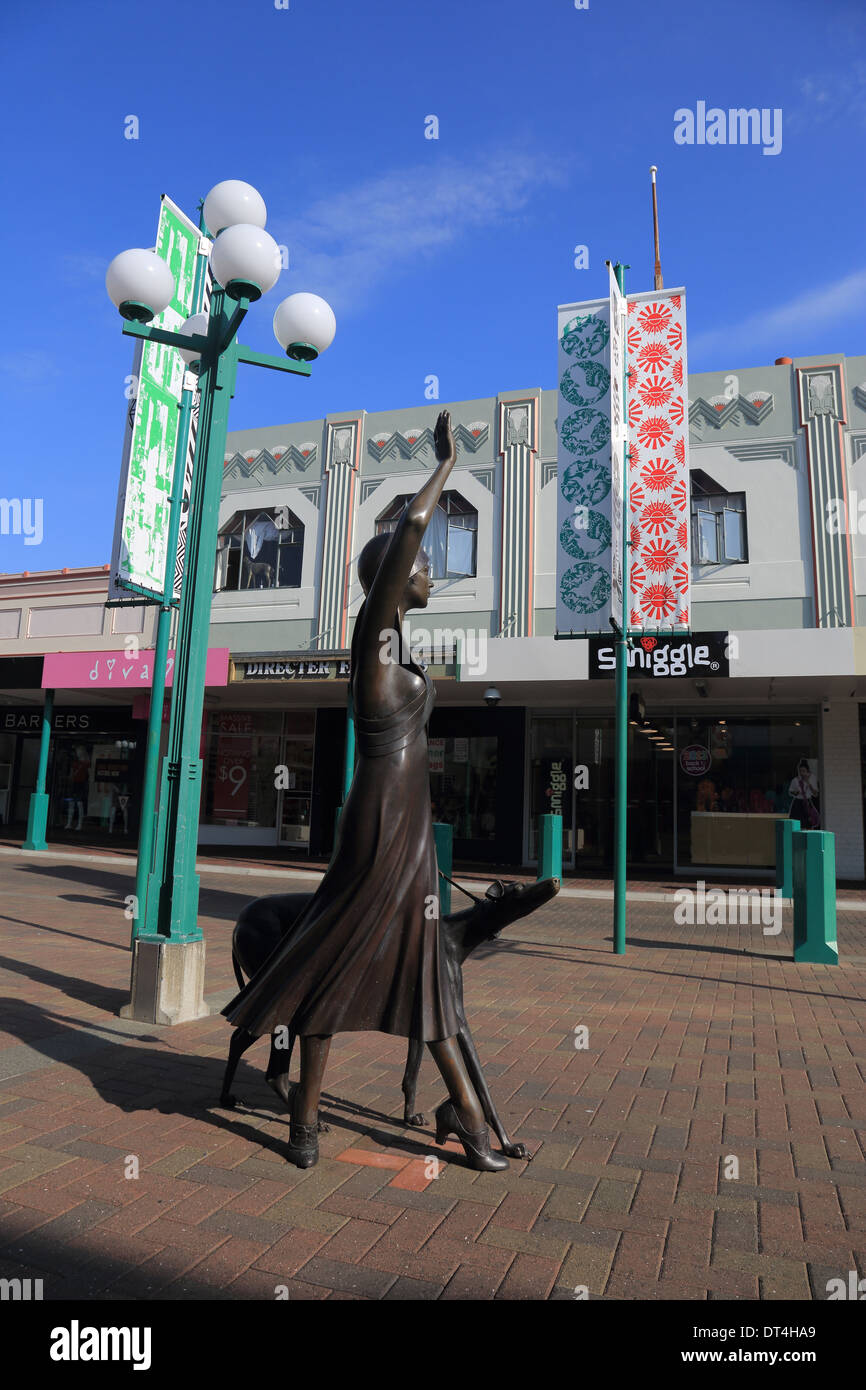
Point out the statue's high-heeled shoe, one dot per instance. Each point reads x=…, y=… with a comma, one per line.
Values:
x=476, y=1145
x=303, y=1146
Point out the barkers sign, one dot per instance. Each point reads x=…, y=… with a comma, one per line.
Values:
x=700, y=654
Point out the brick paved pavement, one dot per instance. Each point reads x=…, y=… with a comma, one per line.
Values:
x=705, y=1045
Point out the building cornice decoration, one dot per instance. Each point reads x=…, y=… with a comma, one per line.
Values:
x=859, y=394
x=282, y=459
x=518, y=424
x=409, y=443
x=731, y=410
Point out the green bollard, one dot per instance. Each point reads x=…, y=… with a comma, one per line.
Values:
x=549, y=847
x=784, y=851
x=37, y=814
x=814, y=876
x=443, y=834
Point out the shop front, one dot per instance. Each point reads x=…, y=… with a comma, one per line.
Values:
x=95, y=769
x=704, y=789
x=275, y=748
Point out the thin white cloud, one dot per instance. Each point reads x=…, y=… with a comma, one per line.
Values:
x=28, y=368
x=82, y=267
x=820, y=308
x=830, y=96
x=345, y=246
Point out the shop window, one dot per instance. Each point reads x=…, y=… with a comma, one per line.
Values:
x=260, y=550
x=463, y=785
x=718, y=523
x=451, y=538
x=239, y=784
x=735, y=778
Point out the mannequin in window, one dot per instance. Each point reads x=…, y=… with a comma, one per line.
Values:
x=79, y=778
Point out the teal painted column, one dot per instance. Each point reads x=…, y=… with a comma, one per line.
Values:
x=784, y=856
x=349, y=755
x=814, y=861
x=621, y=734
x=147, y=827
x=37, y=814
x=171, y=911
x=443, y=834
x=549, y=847
x=348, y=765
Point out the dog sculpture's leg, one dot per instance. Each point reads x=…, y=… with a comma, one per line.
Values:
x=241, y=1040
x=277, y=1075
x=414, y=1054
x=473, y=1066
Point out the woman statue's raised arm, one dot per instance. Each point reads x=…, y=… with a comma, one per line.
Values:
x=393, y=574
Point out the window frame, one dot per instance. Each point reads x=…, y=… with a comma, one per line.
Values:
x=455, y=508
x=719, y=506
x=233, y=536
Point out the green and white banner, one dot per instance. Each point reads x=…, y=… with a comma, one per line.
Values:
x=139, y=559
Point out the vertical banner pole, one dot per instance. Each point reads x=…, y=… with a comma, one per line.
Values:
x=144, y=864
x=621, y=738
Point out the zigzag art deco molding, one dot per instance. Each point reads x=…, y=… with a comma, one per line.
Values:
x=281, y=459
x=409, y=443
x=722, y=410
x=860, y=394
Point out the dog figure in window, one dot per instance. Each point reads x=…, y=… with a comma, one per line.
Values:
x=256, y=570
x=263, y=923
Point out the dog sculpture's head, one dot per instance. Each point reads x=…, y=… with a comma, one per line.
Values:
x=502, y=904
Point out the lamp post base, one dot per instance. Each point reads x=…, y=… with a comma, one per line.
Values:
x=167, y=983
x=37, y=821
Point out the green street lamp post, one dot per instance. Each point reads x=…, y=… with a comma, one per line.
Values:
x=621, y=734
x=168, y=945
x=37, y=815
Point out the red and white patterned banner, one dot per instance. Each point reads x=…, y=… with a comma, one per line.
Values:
x=658, y=455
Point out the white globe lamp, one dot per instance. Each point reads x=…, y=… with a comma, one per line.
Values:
x=233, y=201
x=246, y=261
x=304, y=326
x=196, y=323
x=140, y=284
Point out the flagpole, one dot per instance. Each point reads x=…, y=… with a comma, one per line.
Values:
x=658, y=282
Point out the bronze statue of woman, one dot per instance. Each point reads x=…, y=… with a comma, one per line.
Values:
x=365, y=955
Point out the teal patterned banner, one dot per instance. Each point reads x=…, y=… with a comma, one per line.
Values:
x=584, y=544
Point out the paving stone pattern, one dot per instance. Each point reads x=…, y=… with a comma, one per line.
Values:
x=706, y=1144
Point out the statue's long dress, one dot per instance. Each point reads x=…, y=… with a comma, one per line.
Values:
x=365, y=955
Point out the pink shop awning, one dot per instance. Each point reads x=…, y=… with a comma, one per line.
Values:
x=117, y=671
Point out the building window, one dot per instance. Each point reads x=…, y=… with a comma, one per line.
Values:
x=260, y=550
x=451, y=538
x=718, y=523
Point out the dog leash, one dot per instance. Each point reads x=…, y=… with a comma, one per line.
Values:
x=456, y=885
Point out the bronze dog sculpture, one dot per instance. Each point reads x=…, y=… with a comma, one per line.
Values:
x=264, y=923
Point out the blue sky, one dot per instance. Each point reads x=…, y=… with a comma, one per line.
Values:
x=443, y=256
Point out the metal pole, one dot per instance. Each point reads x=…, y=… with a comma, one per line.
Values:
x=621, y=737
x=658, y=282
x=173, y=887
x=37, y=815
x=147, y=826
x=349, y=756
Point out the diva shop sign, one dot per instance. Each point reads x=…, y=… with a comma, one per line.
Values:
x=105, y=670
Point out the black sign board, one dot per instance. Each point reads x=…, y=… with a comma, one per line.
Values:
x=660, y=657
x=67, y=719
